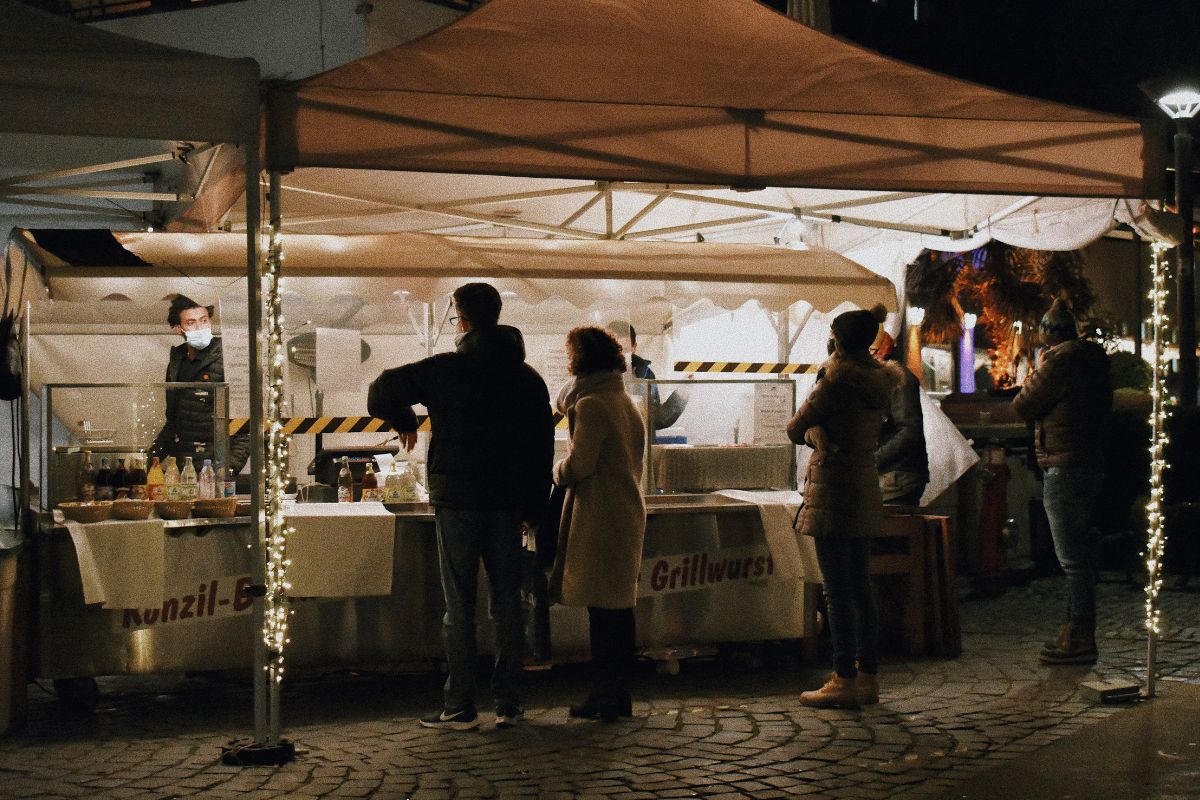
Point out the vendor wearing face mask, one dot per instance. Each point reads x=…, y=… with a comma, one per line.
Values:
x=189, y=427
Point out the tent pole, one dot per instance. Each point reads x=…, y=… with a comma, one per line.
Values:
x=276, y=221
x=254, y=324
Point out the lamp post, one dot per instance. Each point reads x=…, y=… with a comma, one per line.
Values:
x=1181, y=105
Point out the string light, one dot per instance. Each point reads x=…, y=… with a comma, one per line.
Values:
x=275, y=618
x=1156, y=537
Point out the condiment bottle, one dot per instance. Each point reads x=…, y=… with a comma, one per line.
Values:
x=104, y=481
x=345, y=490
x=155, y=490
x=87, y=478
x=187, y=480
x=171, y=488
x=206, y=488
x=137, y=480
x=371, y=493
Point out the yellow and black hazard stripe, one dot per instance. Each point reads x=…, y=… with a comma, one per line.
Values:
x=311, y=426
x=747, y=367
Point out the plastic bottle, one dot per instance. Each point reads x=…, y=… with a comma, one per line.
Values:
x=155, y=480
x=345, y=489
x=171, y=487
x=104, y=481
x=229, y=486
x=188, y=488
x=87, y=478
x=406, y=483
x=391, y=485
x=137, y=480
x=206, y=486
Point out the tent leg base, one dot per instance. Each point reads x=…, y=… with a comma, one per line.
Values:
x=248, y=753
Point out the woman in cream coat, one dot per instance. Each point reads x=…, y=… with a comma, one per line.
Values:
x=604, y=516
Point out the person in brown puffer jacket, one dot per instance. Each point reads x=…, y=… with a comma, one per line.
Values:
x=843, y=506
x=1069, y=400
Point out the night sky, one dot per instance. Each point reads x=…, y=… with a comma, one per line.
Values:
x=1090, y=53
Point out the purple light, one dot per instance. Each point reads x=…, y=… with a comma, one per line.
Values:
x=966, y=356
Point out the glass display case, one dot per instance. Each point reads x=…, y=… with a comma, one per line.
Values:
x=114, y=421
x=710, y=434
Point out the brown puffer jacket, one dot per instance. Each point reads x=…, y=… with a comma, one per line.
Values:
x=1070, y=400
x=841, y=420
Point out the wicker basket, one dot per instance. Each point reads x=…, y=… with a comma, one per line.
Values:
x=173, y=509
x=132, y=509
x=87, y=512
x=215, y=507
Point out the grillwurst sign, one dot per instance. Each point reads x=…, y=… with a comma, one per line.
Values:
x=705, y=569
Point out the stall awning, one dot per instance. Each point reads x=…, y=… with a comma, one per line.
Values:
x=429, y=267
x=723, y=92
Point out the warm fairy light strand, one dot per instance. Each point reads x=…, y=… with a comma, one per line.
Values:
x=275, y=618
x=1156, y=537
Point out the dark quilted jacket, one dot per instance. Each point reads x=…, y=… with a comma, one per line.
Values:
x=1069, y=398
x=492, y=442
x=841, y=486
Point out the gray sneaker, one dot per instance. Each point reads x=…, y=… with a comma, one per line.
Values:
x=462, y=720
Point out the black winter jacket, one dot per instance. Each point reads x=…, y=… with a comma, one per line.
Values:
x=1069, y=398
x=189, y=426
x=492, y=444
x=902, y=440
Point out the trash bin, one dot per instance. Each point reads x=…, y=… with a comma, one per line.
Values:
x=10, y=552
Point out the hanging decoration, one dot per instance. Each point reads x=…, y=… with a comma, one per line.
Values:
x=275, y=619
x=1161, y=402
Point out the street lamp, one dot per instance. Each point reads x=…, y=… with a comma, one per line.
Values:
x=1181, y=104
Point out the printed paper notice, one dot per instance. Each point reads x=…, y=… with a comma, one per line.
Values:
x=554, y=371
x=772, y=410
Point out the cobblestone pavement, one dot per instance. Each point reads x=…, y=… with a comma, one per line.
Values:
x=726, y=728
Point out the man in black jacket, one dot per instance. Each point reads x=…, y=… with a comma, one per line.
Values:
x=189, y=425
x=490, y=455
x=902, y=458
x=663, y=414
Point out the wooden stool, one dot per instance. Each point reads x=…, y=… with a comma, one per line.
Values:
x=899, y=549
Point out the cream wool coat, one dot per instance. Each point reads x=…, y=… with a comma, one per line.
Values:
x=604, y=516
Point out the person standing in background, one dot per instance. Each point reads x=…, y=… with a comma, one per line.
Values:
x=1069, y=399
x=490, y=454
x=902, y=459
x=663, y=414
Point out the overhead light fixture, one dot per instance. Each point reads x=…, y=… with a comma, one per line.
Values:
x=1181, y=103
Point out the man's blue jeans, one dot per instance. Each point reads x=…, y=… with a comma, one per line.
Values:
x=1068, y=494
x=465, y=537
x=849, y=603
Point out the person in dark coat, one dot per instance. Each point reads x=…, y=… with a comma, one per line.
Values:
x=1069, y=399
x=188, y=430
x=902, y=459
x=843, y=507
x=663, y=414
x=490, y=455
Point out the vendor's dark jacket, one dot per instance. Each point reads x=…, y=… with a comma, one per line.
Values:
x=492, y=440
x=902, y=440
x=1069, y=399
x=189, y=427
x=662, y=415
x=841, y=486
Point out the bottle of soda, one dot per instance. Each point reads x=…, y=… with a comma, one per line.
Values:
x=206, y=488
x=371, y=493
x=87, y=478
x=345, y=492
x=155, y=482
x=171, y=487
x=120, y=481
x=137, y=480
x=104, y=481
x=229, y=489
x=187, y=480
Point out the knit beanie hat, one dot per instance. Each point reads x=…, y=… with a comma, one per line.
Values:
x=1060, y=320
x=854, y=330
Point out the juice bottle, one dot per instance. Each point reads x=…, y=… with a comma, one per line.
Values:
x=345, y=490
x=371, y=493
x=171, y=488
x=187, y=480
x=155, y=480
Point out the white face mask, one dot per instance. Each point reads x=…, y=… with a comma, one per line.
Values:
x=199, y=338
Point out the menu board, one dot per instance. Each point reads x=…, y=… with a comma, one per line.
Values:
x=772, y=411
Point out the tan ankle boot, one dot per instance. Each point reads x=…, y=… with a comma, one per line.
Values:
x=866, y=686
x=838, y=692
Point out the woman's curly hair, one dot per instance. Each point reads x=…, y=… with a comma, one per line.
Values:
x=592, y=349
